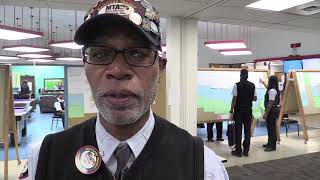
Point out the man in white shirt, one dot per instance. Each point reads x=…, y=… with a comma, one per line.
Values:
x=126, y=141
x=244, y=93
x=59, y=107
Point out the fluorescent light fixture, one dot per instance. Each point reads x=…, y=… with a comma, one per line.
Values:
x=66, y=44
x=12, y=33
x=25, y=48
x=34, y=55
x=2, y=57
x=69, y=59
x=277, y=5
x=235, y=52
x=40, y=60
x=229, y=44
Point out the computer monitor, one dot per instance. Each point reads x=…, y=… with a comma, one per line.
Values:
x=290, y=65
x=54, y=84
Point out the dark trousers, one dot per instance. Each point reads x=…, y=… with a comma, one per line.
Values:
x=243, y=118
x=218, y=128
x=61, y=115
x=271, y=127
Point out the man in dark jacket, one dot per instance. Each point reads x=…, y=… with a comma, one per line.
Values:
x=24, y=90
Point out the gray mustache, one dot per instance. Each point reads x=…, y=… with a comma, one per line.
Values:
x=119, y=93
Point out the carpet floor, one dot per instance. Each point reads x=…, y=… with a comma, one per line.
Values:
x=304, y=167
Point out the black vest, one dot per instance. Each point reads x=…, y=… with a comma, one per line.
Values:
x=170, y=154
x=62, y=105
x=276, y=101
x=245, y=96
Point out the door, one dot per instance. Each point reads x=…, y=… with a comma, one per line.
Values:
x=31, y=83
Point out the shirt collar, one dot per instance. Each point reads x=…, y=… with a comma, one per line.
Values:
x=107, y=143
x=60, y=100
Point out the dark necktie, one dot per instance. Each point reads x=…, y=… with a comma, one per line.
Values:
x=122, y=154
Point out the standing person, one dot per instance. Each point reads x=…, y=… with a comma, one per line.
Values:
x=59, y=107
x=126, y=140
x=271, y=104
x=24, y=90
x=219, y=127
x=244, y=92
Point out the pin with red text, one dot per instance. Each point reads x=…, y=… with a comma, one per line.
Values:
x=88, y=160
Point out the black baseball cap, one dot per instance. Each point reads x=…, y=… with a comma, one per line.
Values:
x=140, y=15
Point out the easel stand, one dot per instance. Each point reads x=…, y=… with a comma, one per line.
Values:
x=7, y=121
x=292, y=104
x=6, y=153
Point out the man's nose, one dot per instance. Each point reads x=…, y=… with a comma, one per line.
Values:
x=119, y=69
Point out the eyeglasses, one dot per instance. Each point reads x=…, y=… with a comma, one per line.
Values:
x=137, y=57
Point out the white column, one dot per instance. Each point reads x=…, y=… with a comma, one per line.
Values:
x=182, y=54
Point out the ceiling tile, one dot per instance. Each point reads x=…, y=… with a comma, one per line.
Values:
x=315, y=15
x=281, y=27
x=295, y=29
x=276, y=17
x=307, y=22
x=231, y=13
x=238, y=3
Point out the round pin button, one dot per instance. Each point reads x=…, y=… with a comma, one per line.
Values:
x=135, y=18
x=146, y=4
x=154, y=28
x=88, y=160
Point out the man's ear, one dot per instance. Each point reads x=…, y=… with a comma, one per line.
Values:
x=162, y=67
x=162, y=64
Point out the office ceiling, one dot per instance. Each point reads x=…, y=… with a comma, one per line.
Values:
x=218, y=11
x=231, y=12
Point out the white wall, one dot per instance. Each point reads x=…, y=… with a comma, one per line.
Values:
x=277, y=43
x=276, y=68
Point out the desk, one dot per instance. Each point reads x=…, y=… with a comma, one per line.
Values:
x=21, y=118
x=25, y=102
x=215, y=118
x=18, y=111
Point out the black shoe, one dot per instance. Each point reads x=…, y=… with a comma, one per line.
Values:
x=210, y=140
x=246, y=153
x=269, y=149
x=236, y=153
x=265, y=145
x=220, y=139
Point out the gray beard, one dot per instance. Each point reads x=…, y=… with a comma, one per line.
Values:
x=135, y=111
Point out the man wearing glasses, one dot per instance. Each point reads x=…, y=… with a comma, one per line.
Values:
x=126, y=141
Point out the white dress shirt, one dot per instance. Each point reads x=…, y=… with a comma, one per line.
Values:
x=272, y=94
x=213, y=167
x=57, y=104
